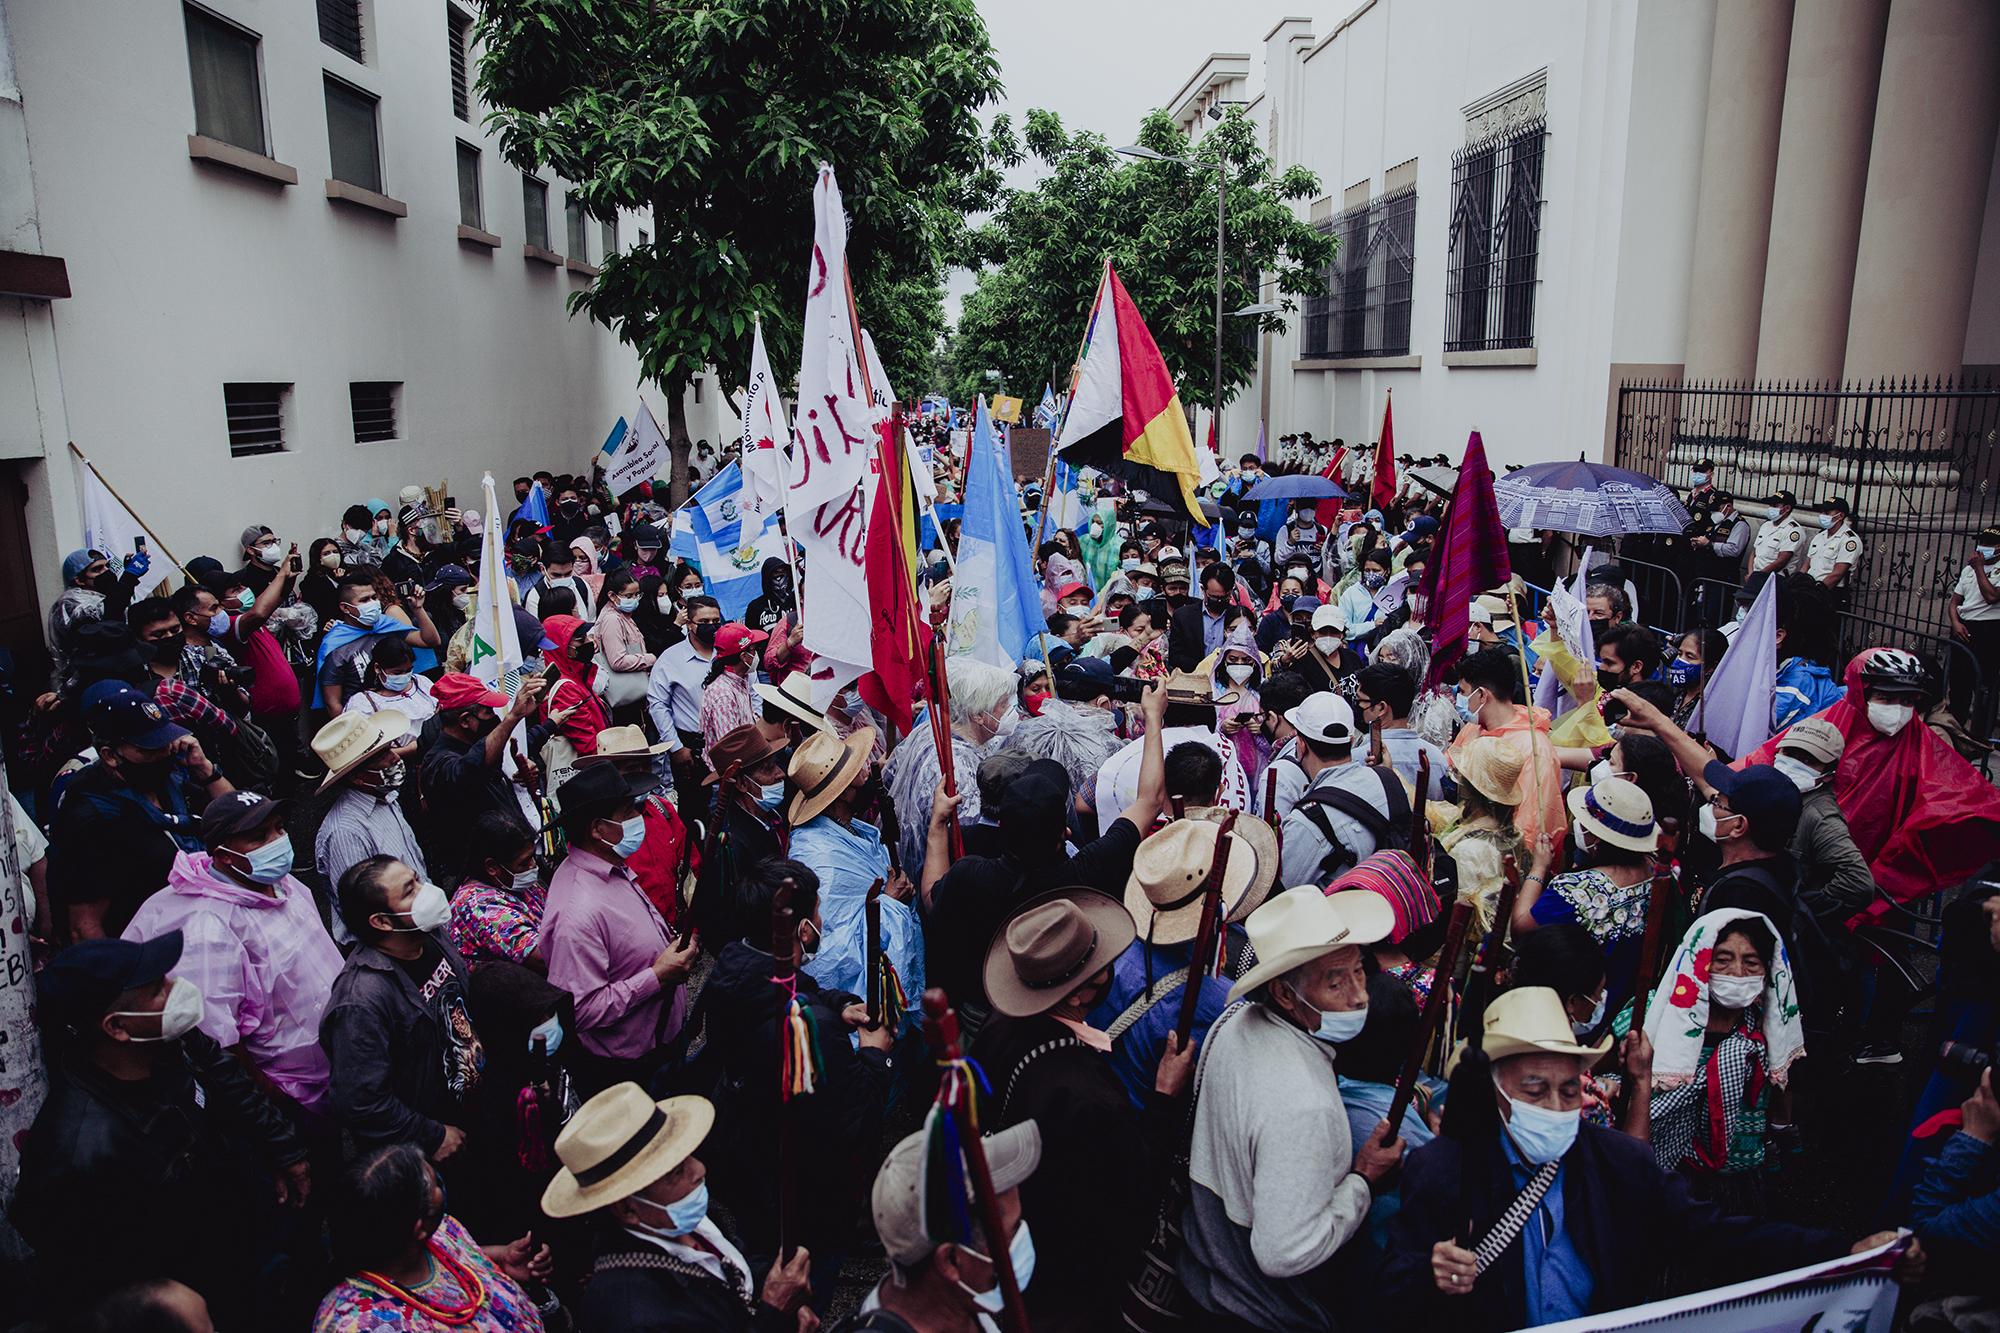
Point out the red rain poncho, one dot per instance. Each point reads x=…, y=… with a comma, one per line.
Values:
x=1923, y=817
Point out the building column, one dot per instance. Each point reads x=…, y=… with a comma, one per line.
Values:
x=1928, y=164
x=1739, y=162
x=1830, y=83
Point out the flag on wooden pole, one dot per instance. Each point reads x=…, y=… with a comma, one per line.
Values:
x=1383, y=492
x=1469, y=557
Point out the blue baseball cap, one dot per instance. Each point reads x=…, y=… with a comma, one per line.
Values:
x=117, y=714
x=529, y=631
x=77, y=561
x=1763, y=795
x=84, y=980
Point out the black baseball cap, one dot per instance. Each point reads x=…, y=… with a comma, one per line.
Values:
x=117, y=714
x=1781, y=498
x=235, y=813
x=1839, y=504
x=1763, y=795
x=83, y=981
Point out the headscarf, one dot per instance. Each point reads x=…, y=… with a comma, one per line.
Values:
x=376, y=506
x=1078, y=738
x=1677, y=1016
x=1395, y=876
x=1923, y=817
x=1100, y=553
x=561, y=630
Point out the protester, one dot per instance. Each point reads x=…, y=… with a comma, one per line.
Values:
x=91, y=592
x=744, y=824
x=1614, y=834
x=1347, y=809
x=674, y=690
x=364, y=815
x=982, y=712
x=350, y=640
x=1383, y=696
x=1834, y=879
x=666, y=856
x=728, y=700
x=1395, y=877
x=496, y=911
x=1489, y=703
x=462, y=769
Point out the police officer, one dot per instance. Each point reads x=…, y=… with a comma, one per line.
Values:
x=1833, y=555
x=1781, y=538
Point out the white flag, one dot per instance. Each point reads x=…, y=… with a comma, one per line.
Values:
x=766, y=468
x=108, y=526
x=834, y=413
x=641, y=456
x=880, y=394
x=495, y=656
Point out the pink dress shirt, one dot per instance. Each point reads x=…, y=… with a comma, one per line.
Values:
x=600, y=935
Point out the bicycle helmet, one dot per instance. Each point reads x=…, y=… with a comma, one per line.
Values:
x=1893, y=670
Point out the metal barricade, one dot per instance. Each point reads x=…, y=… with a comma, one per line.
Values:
x=1652, y=582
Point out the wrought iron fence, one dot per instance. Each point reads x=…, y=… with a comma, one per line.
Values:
x=1366, y=308
x=1495, y=240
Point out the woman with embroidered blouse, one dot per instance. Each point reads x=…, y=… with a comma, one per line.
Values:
x=1615, y=834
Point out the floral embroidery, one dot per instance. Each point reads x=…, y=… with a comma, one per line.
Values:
x=1610, y=913
x=1686, y=990
x=1701, y=964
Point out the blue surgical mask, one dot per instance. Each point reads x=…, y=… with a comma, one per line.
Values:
x=1682, y=673
x=398, y=682
x=550, y=1031
x=1338, y=1025
x=1585, y=1026
x=218, y=624
x=1129, y=564
x=271, y=862
x=368, y=613
x=1700, y=479
x=770, y=794
x=627, y=604
x=1458, y=705
x=631, y=833
x=1541, y=1135
x=1021, y=1257
x=683, y=1214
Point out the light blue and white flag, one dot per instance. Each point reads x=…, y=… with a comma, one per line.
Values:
x=1735, y=707
x=996, y=606
x=711, y=532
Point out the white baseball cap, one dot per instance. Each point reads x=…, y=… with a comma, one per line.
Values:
x=1324, y=717
x=1329, y=617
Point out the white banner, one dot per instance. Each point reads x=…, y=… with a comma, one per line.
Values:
x=766, y=468
x=834, y=413
x=1855, y=1294
x=642, y=456
x=495, y=655
x=108, y=526
x=24, y=1080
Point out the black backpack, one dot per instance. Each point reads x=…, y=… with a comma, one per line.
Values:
x=1389, y=831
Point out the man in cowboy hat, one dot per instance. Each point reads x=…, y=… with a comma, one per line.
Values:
x=1598, y=1220
x=606, y=943
x=744, y=822
x=1048, y=965
x=667, y=856
x=942, y=1279
x=1191, y=702
x=661, y=1261
x=1164, y=896
x=789, y=705
x=1257, y=1224
x=1348, y=809
x=365, y=817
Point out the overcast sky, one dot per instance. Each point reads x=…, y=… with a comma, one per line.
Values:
x=1103, y=64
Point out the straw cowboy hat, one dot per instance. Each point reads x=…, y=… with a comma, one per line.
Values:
x=1053, y=944
x=1303, y=923
x=1163, y=893
x=821, y=768
x=1185, y=687
x=794, y=699
x=1493, y=768
x=622, y=743
x=1529, y=1020
x=352, y=739
x=1617, y=812
x=1263, y=840
x=619, y=1142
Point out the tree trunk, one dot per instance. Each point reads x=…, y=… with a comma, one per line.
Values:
x=678, y=444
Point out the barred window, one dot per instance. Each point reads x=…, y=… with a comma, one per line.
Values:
x=340, y=26
x=1495, y=240
x=373, y=405
x=458, y=35
x=1366, y=308
x=256, y=417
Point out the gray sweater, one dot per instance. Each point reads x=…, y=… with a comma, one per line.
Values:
x=1273, y=1191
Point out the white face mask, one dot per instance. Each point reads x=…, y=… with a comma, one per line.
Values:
x=461, y=600
x=429, y=911
x=1006, y=722
x=1020, y=1257
x=665, y=603
x=1889, y=718
x=1327, y=643
x=269, y=553
x=177, y=1018
x=1735, y=992
x=1583, y=1027
x=1706, y=820
x=1803, y=775
x=1241, y=671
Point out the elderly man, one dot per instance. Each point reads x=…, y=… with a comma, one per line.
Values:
x=982, y=707
x=1258, y=1227
x=1597, y=1220
x=364, y=816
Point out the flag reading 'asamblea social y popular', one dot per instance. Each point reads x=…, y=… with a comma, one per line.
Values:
x=642, y=455
x=495, y=656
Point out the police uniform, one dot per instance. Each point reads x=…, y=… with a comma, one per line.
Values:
x=1839, y=546
x=1775, y=538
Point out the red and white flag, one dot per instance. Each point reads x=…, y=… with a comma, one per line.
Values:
x=766, y=467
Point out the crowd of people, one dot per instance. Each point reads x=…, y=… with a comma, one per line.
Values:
x=373, y=997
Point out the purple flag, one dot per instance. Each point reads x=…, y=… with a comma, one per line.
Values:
x=1735, y=707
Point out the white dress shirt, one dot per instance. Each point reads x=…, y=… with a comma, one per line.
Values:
x=673, y=691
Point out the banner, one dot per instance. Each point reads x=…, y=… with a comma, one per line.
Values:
x=834, y=443
x=1006, y=409
x=640, y=457
x=495, y=655
x=108, y=526
x=716, y=532
x=766, y=437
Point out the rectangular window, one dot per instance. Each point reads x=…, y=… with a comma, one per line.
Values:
x=535, y=206
x=645, y=238
x=608, y=234
x=1366, y=309
x=340, y=26
x=228, y=96
x=1495, y=240
x=458, y=31
x=578, y=238
x=256, y=416
x=470, y=212
x=373, y=403
x=353, y=147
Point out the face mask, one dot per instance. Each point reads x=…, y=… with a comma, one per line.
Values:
x=521, y=881
x=399, y=682
x=429, y=911
x=1580, y=838
x=1601, y=772
x=353, y=535
x=1215, y=605
x=550, y=1030
x=1327, y=643
x=1742, y=614
x=1826, y=522
x=770, y=794
x=1735, y=992
x=1705, y=822
x=245, y=600
x=1020, y=1257
x=647, y=554
x=167, y=651
x=182, y=1012
x=1459, y=704
x=806, y=955
x=705, y=635
x=368, y=613
x=683, y=1214
x=631, y=833
x=627, y=604
x=1608, y=680
x=1006, y=723
x=1681, y=673
x=329, y=559
x=1286, y=599
x=1540, y=1134
x=1338, y=1025
x=1241, y=671
x=665, y=603
x=218, y=624
x=1701, y=479
x=382, y=526
x=1889, y=718
x=1803, y=775
x=1583, y=1027
x=1129, y=564
x=268, y=553
x=271, y=862
x=1374, y=580
x=1989, y=553
x=462, y=600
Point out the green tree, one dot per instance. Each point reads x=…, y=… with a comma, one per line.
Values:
x=1043, y=251
x=712, y=119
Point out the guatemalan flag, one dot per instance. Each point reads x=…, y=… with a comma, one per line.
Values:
x=996, y=606
x=714, y=531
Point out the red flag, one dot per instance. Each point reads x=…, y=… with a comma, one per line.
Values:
x=1384, y=490
x=1328, y=512
x=1469, y=558
x=896, y=633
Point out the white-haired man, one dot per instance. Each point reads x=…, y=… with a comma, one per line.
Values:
x=983, y=706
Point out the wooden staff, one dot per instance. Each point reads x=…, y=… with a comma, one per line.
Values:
x=872, y=978
x=785, y=951
x=105, y=482
x=940, y=716
x=1271, y=795
x=1375, y=749
x=1202, y=961
x=1660, y=896
x=954, y=1097
x=1433, y=1014
x=1179, y=806
x=1479, y=977
x=1420, y=829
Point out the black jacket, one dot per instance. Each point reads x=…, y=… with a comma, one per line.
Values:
x=775, y=602
x=121, y=1181
x=1628, y=1219
x=639, y=1288
x=743, y=841
x=385, y=1049
x=1186, y=643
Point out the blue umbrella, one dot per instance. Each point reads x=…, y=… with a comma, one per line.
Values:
x=1590, y=499
x=1302, y=486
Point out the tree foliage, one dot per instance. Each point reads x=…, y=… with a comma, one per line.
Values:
x=1041, y=254
x=712, y=117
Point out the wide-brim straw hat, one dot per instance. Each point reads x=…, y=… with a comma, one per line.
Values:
x=1163, y=892
x=619, y=1142
x=1054, y=943
x=1493, y=768
x=743, y=748
x=1187, y=687
x=1617, y=812
x=1303, y=923
x=351, y=739
x=622, y=743
x=1529, y=1020
x=1263, y=840
x=794, y=699
x=821, y=768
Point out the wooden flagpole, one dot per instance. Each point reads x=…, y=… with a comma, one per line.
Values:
x=105, y=482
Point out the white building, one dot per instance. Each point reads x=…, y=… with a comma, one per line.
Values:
x=260, y=261
x=1542, y=200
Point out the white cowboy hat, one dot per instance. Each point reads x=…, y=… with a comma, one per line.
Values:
x=1529, y=1020
x=619, y=1142
x=1305, y=922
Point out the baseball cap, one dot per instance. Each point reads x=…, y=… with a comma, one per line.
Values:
x=1817, y=737
x=734, y=637
x=77, y=561
x=1327, y=718
x=449, y=576
x=909, y=1227
x=117, y=714
x=457, y=689
x=1839, y=504
x=1071, y=589
x=1763, y=795
x=253, y=536
x=529, y=631
x=1781, y=497
x=1327, y=617
x=235, y=813
x=81, y=982
x=1307, y=604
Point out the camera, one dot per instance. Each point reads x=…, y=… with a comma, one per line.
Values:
x=228, y=683
x=1964, y=1058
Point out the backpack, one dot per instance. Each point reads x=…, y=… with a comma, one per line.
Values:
x=1389, y=831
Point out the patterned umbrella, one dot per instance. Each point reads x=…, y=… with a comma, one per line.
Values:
x=1300, y=486
x=1591, y=499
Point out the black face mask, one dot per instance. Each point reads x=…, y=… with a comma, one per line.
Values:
x=1216, y=605
x=570, y=506
x=584, y=651
x=167, y=652
x=705, y=635
x=1177, y=600
x=150, y=774
x=1609, y=680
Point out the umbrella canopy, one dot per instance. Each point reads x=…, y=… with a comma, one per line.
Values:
x=1591, y=499
x=1167, y=509
x=1302, y=486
